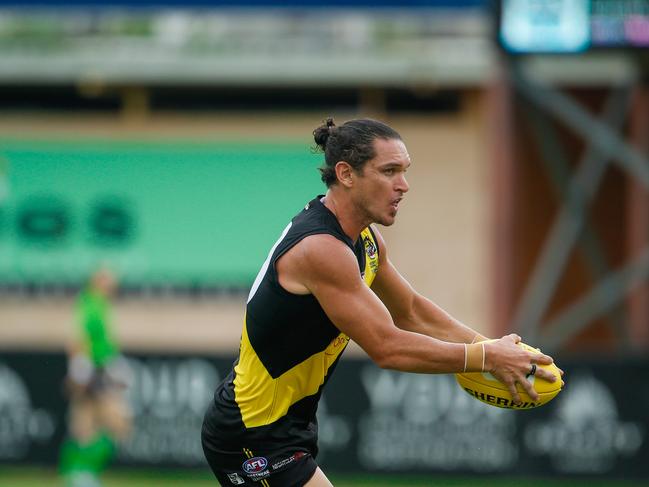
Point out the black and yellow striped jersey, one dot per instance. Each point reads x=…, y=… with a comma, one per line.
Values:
x=289, y=348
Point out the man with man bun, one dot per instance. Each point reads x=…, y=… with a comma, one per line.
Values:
x=328, y=279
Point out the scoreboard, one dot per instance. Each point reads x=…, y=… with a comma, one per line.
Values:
x=572, y=26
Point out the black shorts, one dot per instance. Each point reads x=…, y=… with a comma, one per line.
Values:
x=261, y=469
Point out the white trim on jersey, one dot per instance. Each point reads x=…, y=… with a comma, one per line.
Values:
x=264, y=268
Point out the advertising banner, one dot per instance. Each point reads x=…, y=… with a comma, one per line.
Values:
x=32, y=407
x=386, y=421
x=370, y=419
x=172, y=213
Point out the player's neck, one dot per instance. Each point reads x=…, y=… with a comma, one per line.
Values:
x=348, y=217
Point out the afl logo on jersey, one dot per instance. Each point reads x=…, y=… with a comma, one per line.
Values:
x=255, y=465
x=370, y=248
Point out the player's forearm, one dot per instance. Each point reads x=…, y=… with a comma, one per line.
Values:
x=429, y=319
x=413, y=352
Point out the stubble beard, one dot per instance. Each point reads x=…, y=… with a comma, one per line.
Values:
x=386, y=221
x=370, y=216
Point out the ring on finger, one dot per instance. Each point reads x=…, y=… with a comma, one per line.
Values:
x=532, y=370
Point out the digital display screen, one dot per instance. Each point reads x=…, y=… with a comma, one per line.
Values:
x=619, y=23
x=572, y=26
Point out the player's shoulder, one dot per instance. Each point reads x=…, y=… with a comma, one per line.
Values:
x=323, y=245
x=316, y=259
x=324, y=254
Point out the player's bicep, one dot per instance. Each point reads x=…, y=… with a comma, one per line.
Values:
x=393, y=289
x=331, y=273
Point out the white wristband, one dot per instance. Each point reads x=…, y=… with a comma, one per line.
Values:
x=466, y=353
x=483, y=356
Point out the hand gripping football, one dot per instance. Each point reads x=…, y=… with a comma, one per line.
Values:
x=486, y=388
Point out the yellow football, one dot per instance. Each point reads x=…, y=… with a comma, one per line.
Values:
x=486, y=388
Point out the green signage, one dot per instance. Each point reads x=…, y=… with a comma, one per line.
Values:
x=163, y=212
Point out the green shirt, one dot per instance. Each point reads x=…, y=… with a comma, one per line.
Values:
x=94, y=321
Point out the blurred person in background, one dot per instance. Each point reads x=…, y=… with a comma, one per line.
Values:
x=328, y=279
x=95, y=383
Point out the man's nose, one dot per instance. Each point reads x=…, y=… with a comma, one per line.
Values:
x=402, y=184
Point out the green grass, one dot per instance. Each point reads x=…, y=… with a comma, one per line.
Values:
x=36, y=477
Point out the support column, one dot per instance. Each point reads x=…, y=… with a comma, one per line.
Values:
x=502, y=142
x=638, y=223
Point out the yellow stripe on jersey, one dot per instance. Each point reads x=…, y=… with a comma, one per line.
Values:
x=262, y=399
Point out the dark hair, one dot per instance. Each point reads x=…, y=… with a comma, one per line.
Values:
x=352, y=142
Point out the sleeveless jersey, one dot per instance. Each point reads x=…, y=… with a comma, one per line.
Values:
x=288, y=350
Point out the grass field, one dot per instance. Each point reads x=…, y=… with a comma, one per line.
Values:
x=32, y=477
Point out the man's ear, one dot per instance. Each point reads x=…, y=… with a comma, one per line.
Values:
x=344, y=173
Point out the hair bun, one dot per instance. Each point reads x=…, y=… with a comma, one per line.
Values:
x=322, y=133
